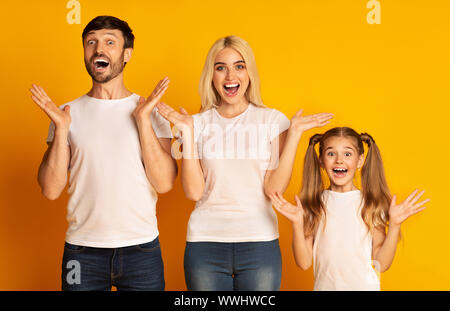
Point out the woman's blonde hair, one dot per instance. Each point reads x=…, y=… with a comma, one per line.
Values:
x=208, y=94
x=375, y=191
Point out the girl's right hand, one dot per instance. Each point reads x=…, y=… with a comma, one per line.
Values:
x=300, y=123
x=61, y=118
x=182, y=120
x=291, y=212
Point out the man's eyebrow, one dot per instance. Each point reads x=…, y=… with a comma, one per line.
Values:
x=108, y=33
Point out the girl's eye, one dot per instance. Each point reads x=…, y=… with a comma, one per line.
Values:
x=348, y=154
x=330, y=154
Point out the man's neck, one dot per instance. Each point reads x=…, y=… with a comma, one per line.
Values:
x=114, y=89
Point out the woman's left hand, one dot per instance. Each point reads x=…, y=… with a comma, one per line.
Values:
x=300, y=123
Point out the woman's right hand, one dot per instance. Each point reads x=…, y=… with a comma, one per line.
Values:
x=61, y=118
x=182, y=120
x=292, y=212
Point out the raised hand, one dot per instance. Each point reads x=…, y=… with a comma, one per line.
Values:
x=399, y=213
x=145, y=106
x=61, y=118
x=300, y=123
x=182, y=120
x=292, y=212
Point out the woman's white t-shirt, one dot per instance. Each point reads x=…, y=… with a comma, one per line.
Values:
x=112, y=203
x=342, y=249
x=235, y=154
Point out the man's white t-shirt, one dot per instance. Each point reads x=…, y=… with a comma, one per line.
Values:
x=112, y=203
x=234, y=155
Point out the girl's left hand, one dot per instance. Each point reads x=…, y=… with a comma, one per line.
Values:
x=399, y=213
x=300, y=123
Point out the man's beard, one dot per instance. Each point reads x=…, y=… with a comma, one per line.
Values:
x=116, y=69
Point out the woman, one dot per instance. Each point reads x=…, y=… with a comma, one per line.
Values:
x=230, y=165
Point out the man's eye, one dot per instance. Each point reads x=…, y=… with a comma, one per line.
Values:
x=90, y=42
x=110, y=42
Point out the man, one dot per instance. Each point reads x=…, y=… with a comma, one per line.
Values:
x=117, y=149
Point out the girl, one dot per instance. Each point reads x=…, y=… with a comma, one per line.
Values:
x=342, y=229
x=229, y=165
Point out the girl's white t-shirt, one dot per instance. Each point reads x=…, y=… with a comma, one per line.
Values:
x=112, y=203
x=235, y=154
x=342, y=249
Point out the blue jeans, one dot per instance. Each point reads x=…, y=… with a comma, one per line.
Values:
x=137, y=267
x=248, y=266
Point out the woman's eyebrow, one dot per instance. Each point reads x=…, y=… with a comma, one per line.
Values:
x=222, y=63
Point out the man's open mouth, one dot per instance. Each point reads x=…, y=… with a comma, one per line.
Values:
x=101, y=64
x=231, y=88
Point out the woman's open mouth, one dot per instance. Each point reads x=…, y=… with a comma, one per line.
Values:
x=231, y=89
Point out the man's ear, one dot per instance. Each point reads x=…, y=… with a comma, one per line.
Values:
x=127, y=54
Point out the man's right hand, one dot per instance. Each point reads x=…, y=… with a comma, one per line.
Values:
x=61, y=118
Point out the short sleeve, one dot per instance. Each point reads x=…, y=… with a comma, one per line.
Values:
x=279, y=123
x=161, y=126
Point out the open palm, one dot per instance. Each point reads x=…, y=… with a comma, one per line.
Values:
x=61, y=118
x=292, y=212
x=300, y=123
x=399, y=213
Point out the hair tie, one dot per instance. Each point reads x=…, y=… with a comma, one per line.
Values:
x=367, y=138
x=315, y=139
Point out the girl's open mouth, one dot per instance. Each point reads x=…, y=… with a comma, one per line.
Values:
x=340, y=172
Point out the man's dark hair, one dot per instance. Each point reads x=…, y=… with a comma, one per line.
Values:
x=111, y=22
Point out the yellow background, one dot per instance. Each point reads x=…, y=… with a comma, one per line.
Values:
x=390, y=80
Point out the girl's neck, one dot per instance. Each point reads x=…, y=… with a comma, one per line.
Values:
x=344, y=188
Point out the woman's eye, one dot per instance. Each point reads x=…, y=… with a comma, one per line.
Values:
x=240, y=67
x=220, y=68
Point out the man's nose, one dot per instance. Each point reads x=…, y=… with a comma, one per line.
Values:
x=99, y=48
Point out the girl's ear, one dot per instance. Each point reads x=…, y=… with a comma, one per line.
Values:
x=321, y=162
x=360, y=161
